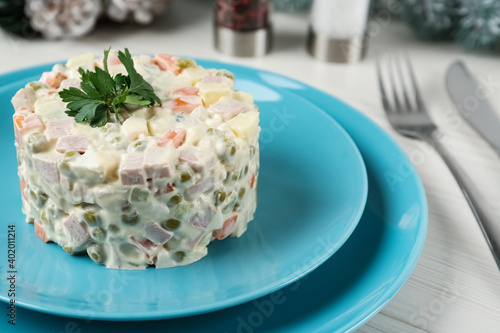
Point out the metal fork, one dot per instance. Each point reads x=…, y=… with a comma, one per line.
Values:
x=408, y=116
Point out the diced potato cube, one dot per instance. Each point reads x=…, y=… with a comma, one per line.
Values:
x=243, y=97
x=95, y=166
x=212, y=92
x=195, y=74
x=245, y=125
x=50, y=108
x=134, y=126
x=86, y=61
x=158, y=126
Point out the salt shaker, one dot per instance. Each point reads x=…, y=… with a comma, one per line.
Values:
x=242, y=27
x=337, y=32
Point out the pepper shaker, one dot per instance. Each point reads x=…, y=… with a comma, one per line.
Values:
x=242, y=27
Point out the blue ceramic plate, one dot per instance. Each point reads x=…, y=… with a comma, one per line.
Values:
x=312, y=192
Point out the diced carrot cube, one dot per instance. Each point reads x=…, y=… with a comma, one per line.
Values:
x=252, y=181
x=167, y=62
x=40, y=232
x=23, y=186
x=18, y=120
x=177, y=136
x=227, y=228
x=53, y=81
x=184, y=104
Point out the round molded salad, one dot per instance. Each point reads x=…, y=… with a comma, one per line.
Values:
x=136, y=160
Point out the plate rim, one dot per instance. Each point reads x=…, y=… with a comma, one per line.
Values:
x=24, y=73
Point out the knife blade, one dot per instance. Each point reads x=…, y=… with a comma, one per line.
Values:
x=468, y=96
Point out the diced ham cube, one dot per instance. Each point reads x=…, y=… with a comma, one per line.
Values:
x=53, y=80
x=192, y=243
x=200, y=187
x=76, y=230
x=131, y=170
x=214, y=79
x=177, y=136
x=202, y=218
x=145, y=245
x=24, y=99
x=113, y=60
x=199, y=160
x=77, y=143
x=167, y=62
x=155, y=233
x=58, y=128
x=227, y=228
x=25, y=123
x=184, y=104
x=40, y=232
x=156, y=161
x=186, y=91
x=229, y=108
x=46, y=165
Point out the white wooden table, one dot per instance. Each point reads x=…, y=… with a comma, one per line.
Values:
x=456, y=285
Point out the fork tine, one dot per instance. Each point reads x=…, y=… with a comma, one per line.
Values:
x=403, y=84
x=418, y=98
x=392, y=79
x=385, y=102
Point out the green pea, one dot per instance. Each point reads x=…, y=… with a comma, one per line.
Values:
x=230, y=205
x=35, y=85
x=114, y=228
x=64, y=167
x=220, y=196
x=68, y=249
x=232, y=151
x=245, y=171
x=185, y=177
x=252, y=151
x=44, y=218
x=172, y=224
x=37, y=142
x=179, y=256
x=132, y=219
x=104, y=129
x=33, y=195
x=176, y=199
x=98, y=234
x=229, y=76
x=69, y=153
x=116, y=139
x=210, y=130
x=241, y=192
x=185, y=63
x=90, y=217
x=236, y=208
x=235, y=176
x=139, y=195
x=96, y=252
x=42, y=199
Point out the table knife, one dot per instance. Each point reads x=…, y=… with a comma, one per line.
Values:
x=470, y=98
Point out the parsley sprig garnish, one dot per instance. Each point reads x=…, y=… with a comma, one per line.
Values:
x=102, y=94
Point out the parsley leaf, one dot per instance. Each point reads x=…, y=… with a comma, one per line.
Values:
x=101, y=94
